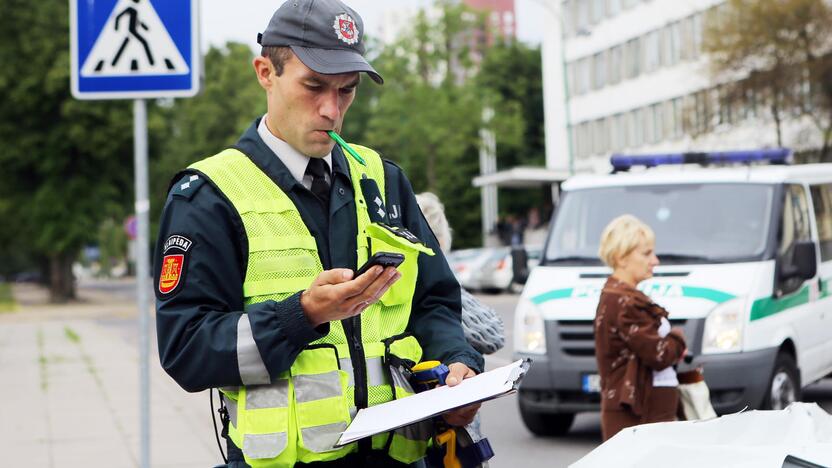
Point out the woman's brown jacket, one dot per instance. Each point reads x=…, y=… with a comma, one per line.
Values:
x=628, y=347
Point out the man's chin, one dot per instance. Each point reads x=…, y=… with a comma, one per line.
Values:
x=319, y=149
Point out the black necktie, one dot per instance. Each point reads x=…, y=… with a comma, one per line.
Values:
x=317, y=169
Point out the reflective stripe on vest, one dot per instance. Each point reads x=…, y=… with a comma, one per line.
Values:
x=319, y=388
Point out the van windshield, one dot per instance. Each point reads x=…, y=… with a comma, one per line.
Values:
x=694, y=223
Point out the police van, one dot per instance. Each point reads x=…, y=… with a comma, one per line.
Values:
x=745, y=245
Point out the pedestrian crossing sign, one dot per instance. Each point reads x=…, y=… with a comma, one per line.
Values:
x=133, y=49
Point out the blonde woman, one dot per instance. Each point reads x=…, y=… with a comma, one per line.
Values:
x=635, y=345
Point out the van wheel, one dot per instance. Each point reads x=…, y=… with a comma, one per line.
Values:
x=784, y=386
x=546, y=424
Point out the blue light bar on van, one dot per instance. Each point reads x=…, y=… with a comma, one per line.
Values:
x=623, y=162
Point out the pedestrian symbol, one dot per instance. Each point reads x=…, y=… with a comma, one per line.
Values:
x=134, y=41
x=134, y=49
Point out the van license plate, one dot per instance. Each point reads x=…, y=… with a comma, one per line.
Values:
x=591, y=383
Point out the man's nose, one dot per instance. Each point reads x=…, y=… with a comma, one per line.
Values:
x=329, y=107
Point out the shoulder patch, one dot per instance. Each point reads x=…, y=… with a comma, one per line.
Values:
x=187, y=186
x=172, y=265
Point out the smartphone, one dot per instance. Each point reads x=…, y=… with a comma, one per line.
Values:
x=384, y=259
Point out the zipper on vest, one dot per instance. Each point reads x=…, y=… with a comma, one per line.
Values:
x=352, y=328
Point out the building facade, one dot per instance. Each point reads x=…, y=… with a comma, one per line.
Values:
x=638, y=82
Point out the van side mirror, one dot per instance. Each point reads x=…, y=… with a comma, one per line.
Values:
x=800, y=262
x=519, y=265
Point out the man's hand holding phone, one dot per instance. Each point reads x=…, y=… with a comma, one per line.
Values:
x=339, y=293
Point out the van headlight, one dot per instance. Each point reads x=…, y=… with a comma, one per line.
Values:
x=529, y=328
x=724, y=327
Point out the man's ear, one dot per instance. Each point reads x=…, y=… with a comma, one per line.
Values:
x=263, y=68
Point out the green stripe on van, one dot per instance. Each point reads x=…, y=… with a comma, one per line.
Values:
x=713, y=295
x=552, y=295
x=658, y=290
x=768, y=306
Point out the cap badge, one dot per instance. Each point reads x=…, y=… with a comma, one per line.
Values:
x=345, y=29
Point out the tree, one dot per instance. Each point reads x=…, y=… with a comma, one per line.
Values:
x=66, y=163
x=779, y=50
x=427, y=115
x=510, y=78
x=189, y=130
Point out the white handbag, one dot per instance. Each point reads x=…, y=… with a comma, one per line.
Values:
x=695, y=396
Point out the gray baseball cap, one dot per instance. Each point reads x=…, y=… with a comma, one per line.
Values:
x=326, y=35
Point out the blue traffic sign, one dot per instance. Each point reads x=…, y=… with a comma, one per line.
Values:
x=132, y=49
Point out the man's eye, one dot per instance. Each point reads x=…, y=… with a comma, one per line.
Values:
x=313, y=87
x=349, y=90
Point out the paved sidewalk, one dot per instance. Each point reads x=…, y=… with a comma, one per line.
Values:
x=70, y=390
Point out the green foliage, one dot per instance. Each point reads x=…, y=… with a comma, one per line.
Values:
x=192, y=129
x=773, y=48
x=7, y=303
x=426, y=119
x=112, y=242
x=66, y=163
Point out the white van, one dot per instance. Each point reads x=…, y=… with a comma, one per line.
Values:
x=746, y=266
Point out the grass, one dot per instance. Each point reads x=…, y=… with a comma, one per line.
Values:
x=7, y=303
x=71, y=335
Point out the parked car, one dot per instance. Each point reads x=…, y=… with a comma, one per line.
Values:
x=466, y=264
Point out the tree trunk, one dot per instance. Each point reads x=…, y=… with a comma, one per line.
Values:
x=61, y=280
x=775, y=112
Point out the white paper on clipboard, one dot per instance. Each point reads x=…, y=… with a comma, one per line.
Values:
x=397, y=413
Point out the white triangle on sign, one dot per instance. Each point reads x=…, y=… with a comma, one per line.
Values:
x=134, y=42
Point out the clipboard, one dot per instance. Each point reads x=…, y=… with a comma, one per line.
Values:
x=398, y=413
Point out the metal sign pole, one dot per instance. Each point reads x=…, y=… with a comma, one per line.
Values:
x=142, y=271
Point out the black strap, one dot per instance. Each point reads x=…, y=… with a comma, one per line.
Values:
x=223, y=411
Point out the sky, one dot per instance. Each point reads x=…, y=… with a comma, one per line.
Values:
x=241, y=20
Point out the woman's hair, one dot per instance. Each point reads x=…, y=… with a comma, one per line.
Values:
x=621, y=236
x=434, y=212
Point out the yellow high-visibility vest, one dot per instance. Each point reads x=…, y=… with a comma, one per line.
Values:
x=301, y=413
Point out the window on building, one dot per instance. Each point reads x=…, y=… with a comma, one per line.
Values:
x=664, y=47
x=613, y=8
x=567, y=12
x=599, y=70
x=632, y=58
x=640, y=119
x=616, y=59
x=668, y=122
x=598, y=10
x=585, y=74
x=749, y=104
x=652, y=58
x=698, y=34
x=657, y=112
x=614, y=135
x=582, y=15
x=675, y=43
x=688, y=43
x=646, y=116
x=678, y=117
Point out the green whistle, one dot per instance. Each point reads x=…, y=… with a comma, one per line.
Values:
x=346, y=146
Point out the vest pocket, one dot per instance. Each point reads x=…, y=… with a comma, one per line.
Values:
x=321, y=407
x=402, y=290
x=262, y=424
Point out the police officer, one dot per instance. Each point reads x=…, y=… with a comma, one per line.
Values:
x=255, y=283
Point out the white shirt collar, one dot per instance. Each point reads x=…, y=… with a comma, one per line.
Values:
x=294, y=160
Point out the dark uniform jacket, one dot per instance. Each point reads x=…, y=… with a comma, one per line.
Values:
x=197, y=318
x=628, y=347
